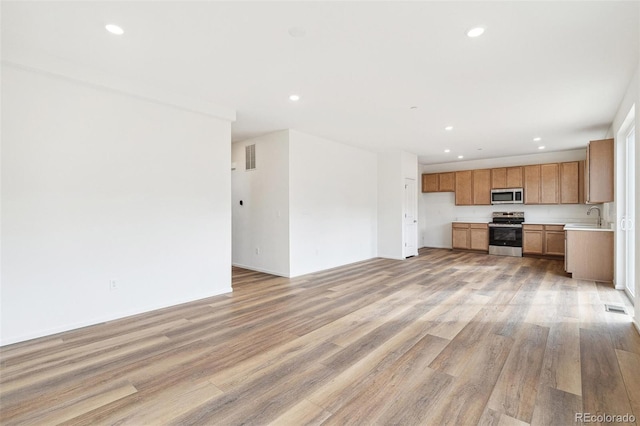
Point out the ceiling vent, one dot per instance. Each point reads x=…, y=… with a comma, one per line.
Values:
x=250, y=157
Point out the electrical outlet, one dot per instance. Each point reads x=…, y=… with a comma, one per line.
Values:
x=113, y=285
x=257, y=250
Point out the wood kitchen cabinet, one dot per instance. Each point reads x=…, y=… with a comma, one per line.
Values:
x=532, y=239
x=554, y=240
x=589, y=255
x=570, y=182
x=543, y=240
x=464, y=188
x=447, y=182
x=479, y=236
x=438, y=182
x=553, y=183
x=482, y=187
x=599, y=172
x=532, y=184
x=549, y=183
x=460, y=236
x=470, y=236
x=473, y=187
x=506, y=177
x=430, y=182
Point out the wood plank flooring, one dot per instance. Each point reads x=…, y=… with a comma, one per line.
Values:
x=443, y=338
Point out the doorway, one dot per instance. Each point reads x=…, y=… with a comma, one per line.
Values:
x=625, y=267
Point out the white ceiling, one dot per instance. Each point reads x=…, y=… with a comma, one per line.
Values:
x=557, y=70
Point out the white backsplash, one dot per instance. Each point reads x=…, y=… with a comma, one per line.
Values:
x=438, y=210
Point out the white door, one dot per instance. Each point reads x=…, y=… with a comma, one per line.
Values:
x=627, y=224
x=410, y=213
x=625, y=206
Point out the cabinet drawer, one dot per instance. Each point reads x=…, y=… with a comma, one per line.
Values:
x=460, y=225
x=478, y=226
x=533, y=227
x=554, y=227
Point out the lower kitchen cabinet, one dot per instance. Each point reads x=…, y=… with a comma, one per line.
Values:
x=543, y=240
x=589, y=255
x=470, y=236
x=532, y=239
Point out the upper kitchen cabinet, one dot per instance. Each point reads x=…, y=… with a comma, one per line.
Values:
x=553, y=183
x=430, y=182
x=473, y=187
x=464, y=188
x=482, y=187
x=506, y=177
x=599, y=172
x=549, y=189
x=570, y=178
x=438, y=182
x=532, y=184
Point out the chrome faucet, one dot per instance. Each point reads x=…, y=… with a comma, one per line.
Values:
x=599, y=216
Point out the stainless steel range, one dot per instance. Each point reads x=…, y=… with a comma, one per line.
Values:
x=505, y=234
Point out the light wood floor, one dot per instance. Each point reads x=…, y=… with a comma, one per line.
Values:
x=444, y=338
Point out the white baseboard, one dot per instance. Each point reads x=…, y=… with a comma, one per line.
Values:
x=266, y=271
x=106, y=318
x=636, y=325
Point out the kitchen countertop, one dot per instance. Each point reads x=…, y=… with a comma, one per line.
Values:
x=471, y=221
x=587, y=227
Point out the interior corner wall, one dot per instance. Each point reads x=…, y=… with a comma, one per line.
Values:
x=390, y=202
x=333, y=203
x=99, y=186
x=261, y=223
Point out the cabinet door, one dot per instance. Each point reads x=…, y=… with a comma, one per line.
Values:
x=447, y=182
x=532, y=241
x=514, y=177
x=600, y=171
x=430, y=182
x=482, y=187
x=460, y=236
x=554, y=243
x=464, y=194
x=532, y=184
x=569, y=183
x=499, y=178
x=549, y=183
x=479, y=237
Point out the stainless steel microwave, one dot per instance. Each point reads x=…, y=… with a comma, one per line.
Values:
x=507, y=196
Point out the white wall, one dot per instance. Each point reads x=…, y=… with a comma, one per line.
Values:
x=333, y=203
x=98, y=185
x=390, y=205
x=261, y=224
x=393, y=168
x=438, y=210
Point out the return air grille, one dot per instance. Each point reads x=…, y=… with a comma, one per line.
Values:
x=250, y=157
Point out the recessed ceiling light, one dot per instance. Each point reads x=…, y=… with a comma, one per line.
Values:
x=449, y=128
x=537, y=139
x=297, y=32
x=114, y=29
x=447, y=150
x=475, y=32
x=541, y=147
x=413, y=107
x=294, y=98
x=460, y=156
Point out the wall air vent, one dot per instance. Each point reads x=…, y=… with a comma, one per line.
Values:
x=250, y=157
